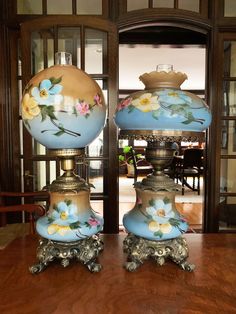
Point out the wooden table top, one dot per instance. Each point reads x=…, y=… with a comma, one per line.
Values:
x=211, y=288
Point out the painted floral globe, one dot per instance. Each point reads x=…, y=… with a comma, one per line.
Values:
x=163, y=106
x=63, y=107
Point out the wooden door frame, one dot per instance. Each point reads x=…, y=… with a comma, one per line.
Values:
x=143, y=18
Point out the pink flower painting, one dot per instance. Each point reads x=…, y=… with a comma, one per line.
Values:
x=83, y=108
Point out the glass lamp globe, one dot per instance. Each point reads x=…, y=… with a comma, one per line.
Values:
x=63, y=108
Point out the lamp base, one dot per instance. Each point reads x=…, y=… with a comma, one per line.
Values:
x=140, y=249
x=85, y=251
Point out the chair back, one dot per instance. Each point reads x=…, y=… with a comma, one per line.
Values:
x=193, y=157
x=34, y=210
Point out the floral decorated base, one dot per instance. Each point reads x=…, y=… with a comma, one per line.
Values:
x=70, y=218
x=83, y=228
x=140, y=249
x=154, y=216
x=85, y=251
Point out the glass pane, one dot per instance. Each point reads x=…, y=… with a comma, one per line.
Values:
x=19, y=94
x=69, y=41
x=123, y=143
x=228, y=174
x=39, y=175
x=227, y=219
x=39, y=149
x=228, y=137
x=103, y=86
x=19, y=58
x=89, y=7
x=59, y=7
x=230, y=8
x=97, y=206
x=140, y=143
x=229, y=102
x=163, y=3
x=50, y=47
x=96, y=175
x=52, y=170
x=40, y=179
x=21, y=136
x=29, y=7
x=95, y=51
x=137, y=4
x=191, y=5
x=230, y=58
x=37, y=53
x=95, y=149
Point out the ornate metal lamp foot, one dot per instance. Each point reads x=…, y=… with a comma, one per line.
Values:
x=85, y=251
x=140, y=249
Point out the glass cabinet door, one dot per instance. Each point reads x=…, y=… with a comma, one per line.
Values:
x=227, y=202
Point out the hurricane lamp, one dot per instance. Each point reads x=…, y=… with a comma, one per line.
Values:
x=161, y=114
x=63, y=108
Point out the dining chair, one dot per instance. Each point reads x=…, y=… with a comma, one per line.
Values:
x=190, y=167
x=141, y=167
x=22, y=202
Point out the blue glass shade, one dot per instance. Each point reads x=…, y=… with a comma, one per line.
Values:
x=163, y=106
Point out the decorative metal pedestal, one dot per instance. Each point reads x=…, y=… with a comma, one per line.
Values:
x=140, y=249
x=85, y=251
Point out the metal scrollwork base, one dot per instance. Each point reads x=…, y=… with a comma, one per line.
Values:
x=140, y=249
x=85, y=251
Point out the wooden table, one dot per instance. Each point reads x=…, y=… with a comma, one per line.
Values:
x=211, y=288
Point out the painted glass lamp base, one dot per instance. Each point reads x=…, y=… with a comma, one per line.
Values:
x=140, y=249
x=85, y=251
